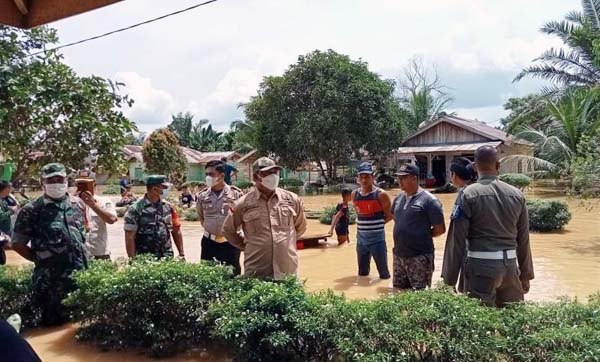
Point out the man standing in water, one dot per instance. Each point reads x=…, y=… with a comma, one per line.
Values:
x=418, y=218
x=493, y=218
x=373, y=208
x=462, y=174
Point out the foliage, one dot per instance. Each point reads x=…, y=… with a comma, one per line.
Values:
x=200, y=135
x=243, y=185
x=190, y=214
x=545, y=215
x=531, y=110
x=293, y=182
x=111, y=189
x=121, y=211
x=585, y=168
x=517, y=180
x=579, y=64
x=16, y=288
x=155, y=305
x=162, y=155
x=422, y=95
x=326, y=107
x=49, y=113
x=181, y=125
x=329, y=212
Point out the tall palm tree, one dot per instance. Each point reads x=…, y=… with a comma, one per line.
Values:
x=577, y=65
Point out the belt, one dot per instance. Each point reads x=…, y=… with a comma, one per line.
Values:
x=493, y=255
x=213, y=237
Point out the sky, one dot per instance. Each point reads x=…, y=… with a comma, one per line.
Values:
x=209, y=60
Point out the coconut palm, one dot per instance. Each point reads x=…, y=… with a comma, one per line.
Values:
x=577, y=65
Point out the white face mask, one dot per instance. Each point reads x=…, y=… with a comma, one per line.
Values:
x=210, y=181
x=165, y=193
x=56, y=191
x=271, y=182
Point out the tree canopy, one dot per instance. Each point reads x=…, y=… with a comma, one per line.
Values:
x=162, y=155
x=49, y=113
x=326, y=107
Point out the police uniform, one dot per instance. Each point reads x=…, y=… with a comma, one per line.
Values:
x=55, y=230
x=153, y=223
x=271, y=228
x=213, y=208
x=492, y=216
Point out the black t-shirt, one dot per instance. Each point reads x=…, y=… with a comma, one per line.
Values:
x=187, y=199
x=413, y=219
x=345, y=219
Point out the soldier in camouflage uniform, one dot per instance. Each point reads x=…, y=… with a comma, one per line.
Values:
x=50, y=231
x=150, y=222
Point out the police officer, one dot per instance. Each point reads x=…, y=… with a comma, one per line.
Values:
x=50, y=231
x=272, y=220
x=151, y=221
x=213, y=207
x=493, y=217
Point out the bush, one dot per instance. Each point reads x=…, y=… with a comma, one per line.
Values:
x=329, y=211
x=546, y=215
x=244, y=185
x=112, y=189
x=155, y=305
x=192, y=184
x=16, y=288
x=190, y=214
x=121, y=211
x=517, y=180
x=291, y=182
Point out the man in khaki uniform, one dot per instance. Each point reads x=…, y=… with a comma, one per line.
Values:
x=272, y=220
x=213, y=206
x=493, y=217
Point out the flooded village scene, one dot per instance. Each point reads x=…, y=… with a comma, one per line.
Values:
x=263, y=180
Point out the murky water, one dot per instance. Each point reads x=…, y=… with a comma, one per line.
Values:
x=566, y=264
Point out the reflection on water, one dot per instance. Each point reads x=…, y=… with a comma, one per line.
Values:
x=566, y=263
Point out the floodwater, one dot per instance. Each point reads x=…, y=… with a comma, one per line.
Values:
x=566, y=264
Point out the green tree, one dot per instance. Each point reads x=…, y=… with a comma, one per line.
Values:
x=422, y=95
x=181, y=125
x=205, y=138
x=162, y=155
x=531, y=110
x=46, y=108
x=578, y=64
x=326, y=107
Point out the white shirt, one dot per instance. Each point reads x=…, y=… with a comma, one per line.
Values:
x=97, y=237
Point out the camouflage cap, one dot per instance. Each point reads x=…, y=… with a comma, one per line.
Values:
x=264, y=164
x=53, y=169
x=157, y=180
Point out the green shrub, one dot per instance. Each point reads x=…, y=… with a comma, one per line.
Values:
x=291, y=182
x=112, y=189
x=16, y=288
x=329, y=211
x=518, y=180
x=244, y=185
x=190, y=214
x=547, y=215
x=155, y=305
x=192, y=184
x=121, y=211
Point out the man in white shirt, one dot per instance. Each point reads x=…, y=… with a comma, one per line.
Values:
x=99, y=211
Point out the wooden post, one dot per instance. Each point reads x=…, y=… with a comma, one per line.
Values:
x=429, y=165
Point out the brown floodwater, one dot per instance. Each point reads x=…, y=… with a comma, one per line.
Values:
x=566, y=264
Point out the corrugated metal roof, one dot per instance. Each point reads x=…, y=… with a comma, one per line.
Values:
x=464, y=147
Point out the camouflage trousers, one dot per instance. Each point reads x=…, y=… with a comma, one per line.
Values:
x=49, y=290
x=413, y=272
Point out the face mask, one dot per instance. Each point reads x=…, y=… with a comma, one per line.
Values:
x=271, y=182
x=165, y=193
x=56, y=191
x=210, y=181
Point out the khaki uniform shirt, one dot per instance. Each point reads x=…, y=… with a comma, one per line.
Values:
x=213, y=208
x=492, y=216
x=271, y=228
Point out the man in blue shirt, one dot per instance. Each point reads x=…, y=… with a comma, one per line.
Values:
x=418, y=218
x=230, y=171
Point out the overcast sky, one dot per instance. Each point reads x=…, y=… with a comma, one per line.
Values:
x=210, y=59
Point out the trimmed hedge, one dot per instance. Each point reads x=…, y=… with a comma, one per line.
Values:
x=546, y=215
x=244, y=185
x=112, y=189
x=170, y=306
x=16, y=289
x=518, y=180
x=329, y=212
x=190, y=214
x=291, y=182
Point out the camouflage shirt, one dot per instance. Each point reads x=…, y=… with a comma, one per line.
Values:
x=5, y=216
x=56, y=232
x=153, y=224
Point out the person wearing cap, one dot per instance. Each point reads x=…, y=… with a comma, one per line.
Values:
x=50, y=231
x=373, y=209
x=151, y=221
x=213, y=207
x=462, y=174
x=418, y=218
x=493, y=217
x=99, y=211
x=272, y=220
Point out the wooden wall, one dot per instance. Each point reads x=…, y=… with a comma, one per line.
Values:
x=444, y=133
